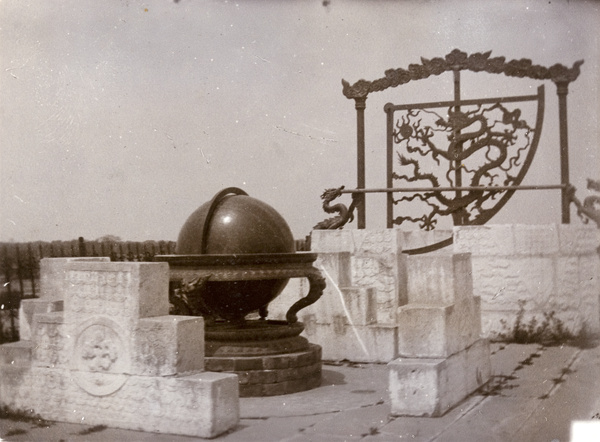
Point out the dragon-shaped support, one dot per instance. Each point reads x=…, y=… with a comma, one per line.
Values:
x=590, y=209
x=345, y=213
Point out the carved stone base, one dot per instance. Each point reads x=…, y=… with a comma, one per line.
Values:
x=254, y=338
x=272, y=375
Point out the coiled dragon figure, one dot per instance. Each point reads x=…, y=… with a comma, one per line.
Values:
x=345, y=213
x=588, y=210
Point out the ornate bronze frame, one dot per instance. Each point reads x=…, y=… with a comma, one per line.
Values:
x=455, y=62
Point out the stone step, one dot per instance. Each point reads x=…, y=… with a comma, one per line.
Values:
x=432, y=386
x=428, y=331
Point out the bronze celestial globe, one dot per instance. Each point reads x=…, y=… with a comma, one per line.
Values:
x=234, y=227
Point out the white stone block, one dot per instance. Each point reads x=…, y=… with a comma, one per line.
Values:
x=578, y=240
x=114, y=357
x=16, y=353
x=431, y=387
x=375, y=272
x=123, y=291
x=506, y=282
x=414, y=386
x=377, y=242
x=337, y=266
x=567, y=278
x=358, y=343
x=202, y=405
x=52, y=275
x=589, y=291
x=51, y=343
x=535, y=239
x=29, y=307
x=439, y=278
x=167, y=345
x=331, y=241
x=487, y=240
x=358, y=242
x=415, y=239
x=437, y=331
x=360, y=305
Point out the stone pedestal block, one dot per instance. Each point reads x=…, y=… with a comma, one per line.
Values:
x=439, y=278
x=432, y=386
x=430, y=331
x=167, y=345
x=360, y=305
x=338, y=267
x=53, y=272
x=113, y=356
x=364, y=343
x=29, y=307
x=202, y=404
x=16, y=354
x=375, y=261
x=51, y=343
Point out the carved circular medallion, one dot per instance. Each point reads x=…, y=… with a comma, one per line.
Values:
x=100, y=357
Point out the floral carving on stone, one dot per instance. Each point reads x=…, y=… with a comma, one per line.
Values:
x=99, y=347
x=100, y=357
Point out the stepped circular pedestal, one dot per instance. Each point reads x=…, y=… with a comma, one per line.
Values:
x=269, y=357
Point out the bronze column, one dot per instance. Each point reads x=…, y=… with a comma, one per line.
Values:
x=562, y=89
x=360, y=105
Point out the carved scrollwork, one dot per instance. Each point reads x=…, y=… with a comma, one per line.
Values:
x=317, y=285
x=188, y=298
x=459, y=60
x=484, y=144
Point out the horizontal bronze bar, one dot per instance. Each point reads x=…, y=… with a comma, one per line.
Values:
x=454, y=189
x=476, y=101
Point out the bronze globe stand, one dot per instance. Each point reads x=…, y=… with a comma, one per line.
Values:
x=219, y=277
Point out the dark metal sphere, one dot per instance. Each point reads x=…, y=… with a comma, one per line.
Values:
x=237, y=224
x=234, y=223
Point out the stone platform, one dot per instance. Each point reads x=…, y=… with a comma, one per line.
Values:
x=113, y=356
x=418, y=313
x=536, y=393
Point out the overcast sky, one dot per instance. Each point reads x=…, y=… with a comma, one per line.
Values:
x=122, y=117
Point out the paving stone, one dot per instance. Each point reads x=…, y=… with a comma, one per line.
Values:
x=507, y=357
x=422, y=428
x=577, y=398
x=539, y=375
x=270, y=430
x=503, y=416
x=358, y=422
x=342, y=387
